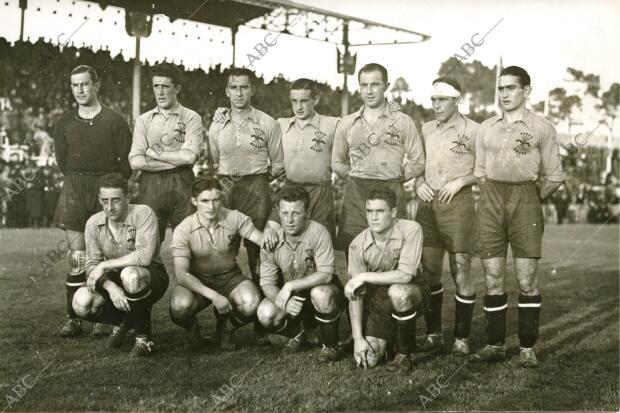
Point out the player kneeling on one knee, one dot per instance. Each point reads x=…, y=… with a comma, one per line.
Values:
x=297, y=277
x=205, y=247
x=125, y=273
x=386, y=291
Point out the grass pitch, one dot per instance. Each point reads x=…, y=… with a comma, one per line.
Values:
x=578, y=349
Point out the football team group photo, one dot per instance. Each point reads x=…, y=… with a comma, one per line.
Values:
x=184, y=239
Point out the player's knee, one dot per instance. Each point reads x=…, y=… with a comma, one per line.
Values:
x=324, y=298
x=135, y=279
x=82, y=302
x=403, y=297
x=180, y=305
x=528, y=287
x=248, y=303
x=266, y=313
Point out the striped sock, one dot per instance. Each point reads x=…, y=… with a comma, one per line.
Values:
x=432, y=316
x=139, y=315
x=328, y=327
x=405, y=331
x=464, y=309
x=72, y=284
x=529, y=316
x=495, y=310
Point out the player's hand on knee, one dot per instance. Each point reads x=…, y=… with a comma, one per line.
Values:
x=93, y=277
x=352, y=287
x=362, y=350
x=118, y=298
x=220, y=115
x=424, y=191
x=222, y=304
x=283, y=295
x=294, y=306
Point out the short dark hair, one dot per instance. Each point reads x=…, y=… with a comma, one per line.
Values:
x=240, y=71
x=521, y=73
x=374, y=67
x=305, y=84
x=86, y=69
x=167, y=70
x=206, y=183
x=449, y=80
x=114, y=180
x=294, y=194
x=383, y=194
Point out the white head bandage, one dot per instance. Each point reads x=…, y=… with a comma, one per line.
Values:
x=444, y=89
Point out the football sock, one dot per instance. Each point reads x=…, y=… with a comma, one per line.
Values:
x=186, y=323
x=464, y=308
x=495, y=311
x=328, y=327
x=290, y=327
x=140, y=310
x=529, y=315
x=238, y=320
x=432, y=316
x=72, y=284
x=405, y=330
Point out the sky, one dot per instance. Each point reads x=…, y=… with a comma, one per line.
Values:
x=543, y=37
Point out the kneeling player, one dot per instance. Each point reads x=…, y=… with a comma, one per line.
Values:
x=125, y=273
x=384, y=292
x=205, y=247
x=298, y=277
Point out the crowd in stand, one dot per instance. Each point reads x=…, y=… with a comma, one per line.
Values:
x=32, y=96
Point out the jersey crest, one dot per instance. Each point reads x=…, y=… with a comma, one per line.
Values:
x=394, y=138
x=260, y=138
x=179, y=132
x=460, y=145
x=319, y=141
x=523, y=147
x=309, y=260
x=131, y=238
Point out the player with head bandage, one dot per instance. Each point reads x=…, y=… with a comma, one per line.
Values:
x=386, y=290
x=126, y=276
x=447, y=211
x=90, y=140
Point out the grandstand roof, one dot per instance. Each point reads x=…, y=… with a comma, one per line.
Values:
x=285, y=16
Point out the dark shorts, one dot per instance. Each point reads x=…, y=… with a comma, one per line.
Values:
x=321, y=205
x=78, y=201
x=378, y=320
x=159, y=282
x=508, y=213
x=250, y=195
x=307, y=310
x=224, y=283
x=353, y=216
x=169, y=194
x=448, y=226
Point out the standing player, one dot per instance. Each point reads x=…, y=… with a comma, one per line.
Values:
x=385, y=290
x=375, y=148
x=205, y=246
x=248, y=147
x=90, y=140
x=517, y=165
x=166, y=142
x=447, y=211
x=125, y=273
x=298, y=277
